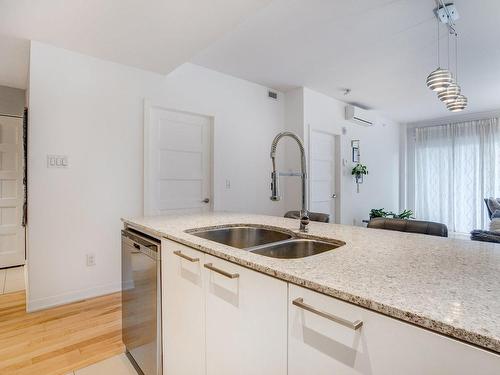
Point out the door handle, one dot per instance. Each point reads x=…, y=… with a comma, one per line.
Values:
x=206, y=200
x=334, y=195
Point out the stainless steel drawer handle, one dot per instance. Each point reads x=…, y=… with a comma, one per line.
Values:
x=299, y=302
x=184, y=256
x=221, y=272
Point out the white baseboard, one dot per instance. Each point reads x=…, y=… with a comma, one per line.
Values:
x=75, y=296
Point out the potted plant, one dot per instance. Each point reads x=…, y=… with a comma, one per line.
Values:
x=380, y=212
x=406, y=214
x=358, y=172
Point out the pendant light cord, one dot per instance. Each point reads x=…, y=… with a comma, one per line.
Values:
x=456, y=56
x=448, y=47
x=439, y=49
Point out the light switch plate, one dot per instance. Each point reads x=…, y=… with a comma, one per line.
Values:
x=57, y=161
x=90, y=260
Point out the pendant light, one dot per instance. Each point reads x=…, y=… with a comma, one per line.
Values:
x=460, y=102
x=449, y=94
x=440, y=78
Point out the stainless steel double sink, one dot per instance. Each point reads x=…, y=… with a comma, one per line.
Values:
x=267, y=242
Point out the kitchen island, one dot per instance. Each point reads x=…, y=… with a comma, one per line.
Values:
x=447, y=286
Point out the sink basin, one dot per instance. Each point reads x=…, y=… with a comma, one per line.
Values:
x=266, y=242
x=242, y=237
x=296, y=248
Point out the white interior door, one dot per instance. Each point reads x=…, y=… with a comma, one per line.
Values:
x=323, y=169
x=12, y=238
x=177, y=162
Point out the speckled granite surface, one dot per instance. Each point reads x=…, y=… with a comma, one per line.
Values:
x=447, y=285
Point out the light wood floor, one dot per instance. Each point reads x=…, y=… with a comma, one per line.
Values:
x=58, y=340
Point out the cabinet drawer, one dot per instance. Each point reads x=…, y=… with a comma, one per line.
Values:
x=322, y=341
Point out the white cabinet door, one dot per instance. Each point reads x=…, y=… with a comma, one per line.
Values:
x=246, y=321
x=324, y=167
x=183, y=310
x=382, y=346
x=177, y=162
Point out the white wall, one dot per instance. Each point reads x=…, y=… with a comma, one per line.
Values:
x=379, y=151
x=12, y=101
x=294, y=121
x=92, y=111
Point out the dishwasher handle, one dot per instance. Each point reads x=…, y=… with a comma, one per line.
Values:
x=150, y=250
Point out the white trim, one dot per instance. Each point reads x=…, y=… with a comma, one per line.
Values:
x=75, y=296
x=455, y=118
x=145, y=163
x=145, y=160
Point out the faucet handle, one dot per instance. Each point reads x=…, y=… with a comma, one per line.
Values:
x=304, y=221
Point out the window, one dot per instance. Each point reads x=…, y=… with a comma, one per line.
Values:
x=457, y=166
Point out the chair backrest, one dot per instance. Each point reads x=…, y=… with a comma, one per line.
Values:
x=411, y=226
x=313, y=216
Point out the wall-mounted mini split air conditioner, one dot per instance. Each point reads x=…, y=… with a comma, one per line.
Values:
x=359, y=116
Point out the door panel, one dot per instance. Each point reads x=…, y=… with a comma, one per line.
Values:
x=177, y=162
x=323, y=166
x=12, y=241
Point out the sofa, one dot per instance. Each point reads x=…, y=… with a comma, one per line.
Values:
x=491, y=206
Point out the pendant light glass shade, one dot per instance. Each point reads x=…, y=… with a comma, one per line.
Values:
x=458, y=104
x=439, y=79
x=449, y=94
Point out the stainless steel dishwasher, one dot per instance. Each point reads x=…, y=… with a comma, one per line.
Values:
x=141, y=301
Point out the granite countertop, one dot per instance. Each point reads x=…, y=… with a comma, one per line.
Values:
x=450, y=286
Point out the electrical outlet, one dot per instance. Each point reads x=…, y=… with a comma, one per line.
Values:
x=228, y=184
x=90, y=260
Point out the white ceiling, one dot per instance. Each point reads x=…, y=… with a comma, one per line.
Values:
x=381, y=49
x=156, y=35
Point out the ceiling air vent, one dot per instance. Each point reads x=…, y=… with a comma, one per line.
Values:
x=272, y=95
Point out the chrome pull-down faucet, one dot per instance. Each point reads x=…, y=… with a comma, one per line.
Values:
x=275, y=191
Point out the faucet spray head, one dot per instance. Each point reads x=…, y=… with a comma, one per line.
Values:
x=275, y=188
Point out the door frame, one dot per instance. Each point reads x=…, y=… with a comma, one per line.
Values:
x=148, y=106
x=337, y=168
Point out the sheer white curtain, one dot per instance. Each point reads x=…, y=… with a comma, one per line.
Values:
x=457, y=166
